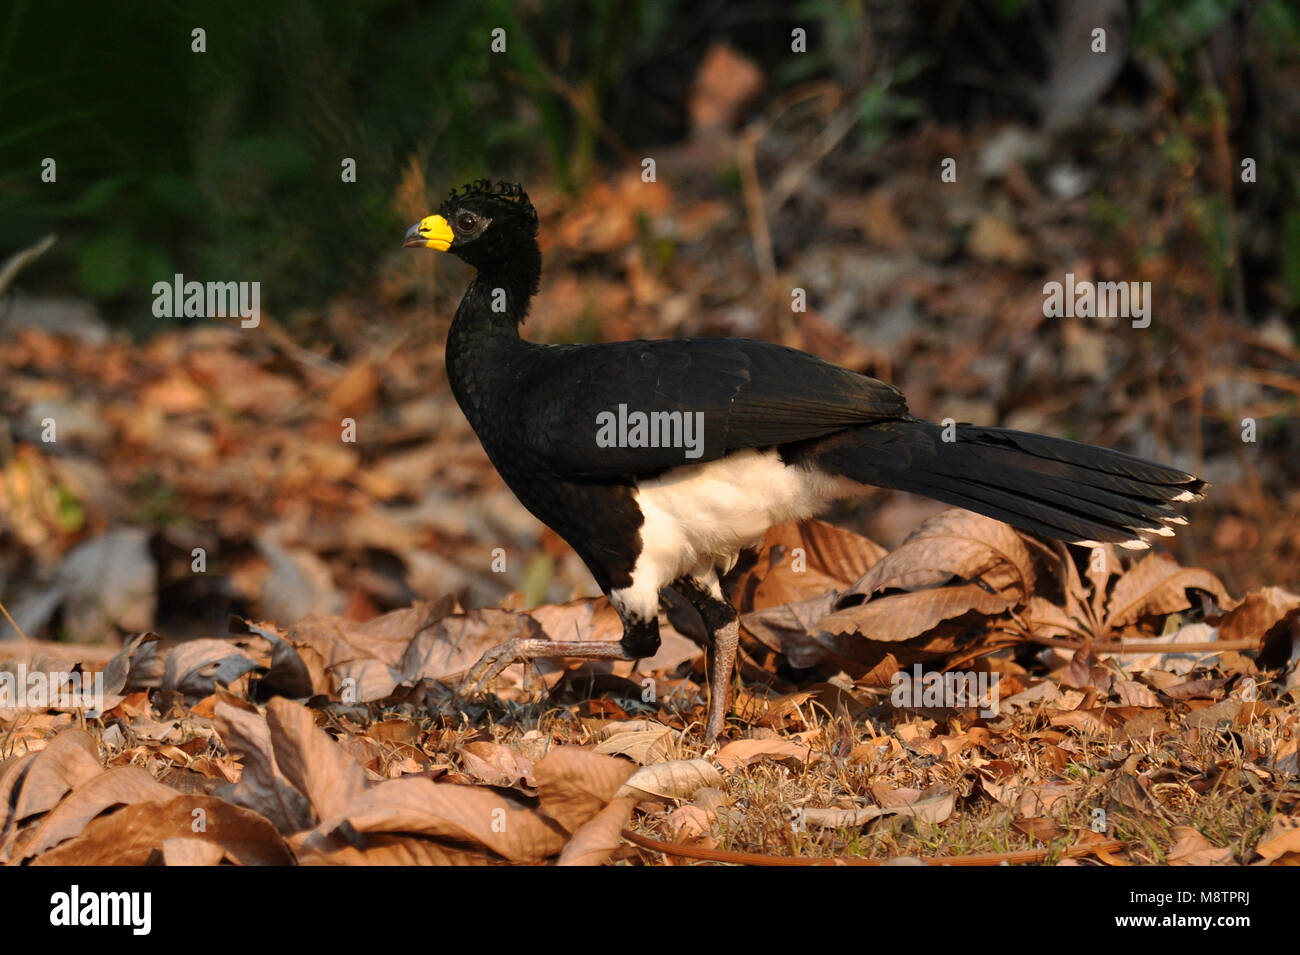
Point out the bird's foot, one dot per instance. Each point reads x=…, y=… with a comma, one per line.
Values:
x=494, y=661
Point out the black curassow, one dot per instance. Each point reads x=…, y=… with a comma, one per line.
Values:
x=659, y=461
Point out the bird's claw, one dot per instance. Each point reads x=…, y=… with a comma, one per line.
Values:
x=490, y=666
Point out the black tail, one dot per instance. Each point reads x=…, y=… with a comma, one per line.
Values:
x=1061, y=489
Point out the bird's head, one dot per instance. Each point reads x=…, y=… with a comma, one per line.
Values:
x=484, y=223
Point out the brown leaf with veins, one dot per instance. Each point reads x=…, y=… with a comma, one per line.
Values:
x=1258, y=613
x=954, y=544
x=455, y=643
x=1192, y=848
x=125, y=785
x=13, y=773
x=70, y=759
x=832, y=559
x=897, y=617
x=1282, y=838
x=1158, y=585
x=413, y=805
x=740, y=753
x=598, y=837
x=575, y=784
x=395, y=850
x=131, y=835
x=195, y=667
x=262, y=787
x=955, y=563
x=495, y=764
x=675, y=779
x=313, y=763
x=385, y=638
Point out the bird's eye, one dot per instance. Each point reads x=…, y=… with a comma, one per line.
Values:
x=466, y=221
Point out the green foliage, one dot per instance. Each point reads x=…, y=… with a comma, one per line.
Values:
x=1174, y=26
x=1170, y=28
x=226, y=164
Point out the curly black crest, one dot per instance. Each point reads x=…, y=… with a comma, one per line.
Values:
x=510, y=192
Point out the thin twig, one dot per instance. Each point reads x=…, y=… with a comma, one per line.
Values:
x=13, y=623
x=23, y=258
x=755, y=210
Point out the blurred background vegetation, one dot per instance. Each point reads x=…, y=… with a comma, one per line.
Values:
x=226, y=164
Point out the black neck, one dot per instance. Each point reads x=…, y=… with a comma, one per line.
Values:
x=484, y=335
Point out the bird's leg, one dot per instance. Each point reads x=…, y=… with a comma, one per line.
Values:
x=494, y=661
x=723, y=626
x=640, y=639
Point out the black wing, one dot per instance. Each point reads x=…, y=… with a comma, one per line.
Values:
x=738, y=394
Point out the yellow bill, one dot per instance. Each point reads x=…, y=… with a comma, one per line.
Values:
x=431, y=232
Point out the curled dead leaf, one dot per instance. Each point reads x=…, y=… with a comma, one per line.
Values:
x=676, y=779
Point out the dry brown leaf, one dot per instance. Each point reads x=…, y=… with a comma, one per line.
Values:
x=70, y=759
x=584, y=619
x=844, y=818
x=931, y=809
x=1038, y=800
x=1210, y=718
x=313, y=763
x=291, y=673
x=641, y=746
x=803, y=559
x=183, y=850
x=455, y=643
x=1148, y=723
x=197, y=666
x=1086, y=722
x=415, y=806
x=1192, y=848
x=1258, y=613
x=385, y=638
x=1132, y=693
x=897, y=617
x=1045, y=619
x=1158, y=585
x=574, y=784
x=690, y=822
x=1039, y=828
x=125, y=785
x=495, y=764
x=676, y=779
x=954, y=544
x=131, y=835
x=138, y=664
x=13, y=772
x=599, y=836
x=1282, y=838
x=395, y=850
x=262, y=787
x=740, y=753
x=788, y=628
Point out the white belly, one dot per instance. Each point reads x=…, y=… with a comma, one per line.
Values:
x=699, y=517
